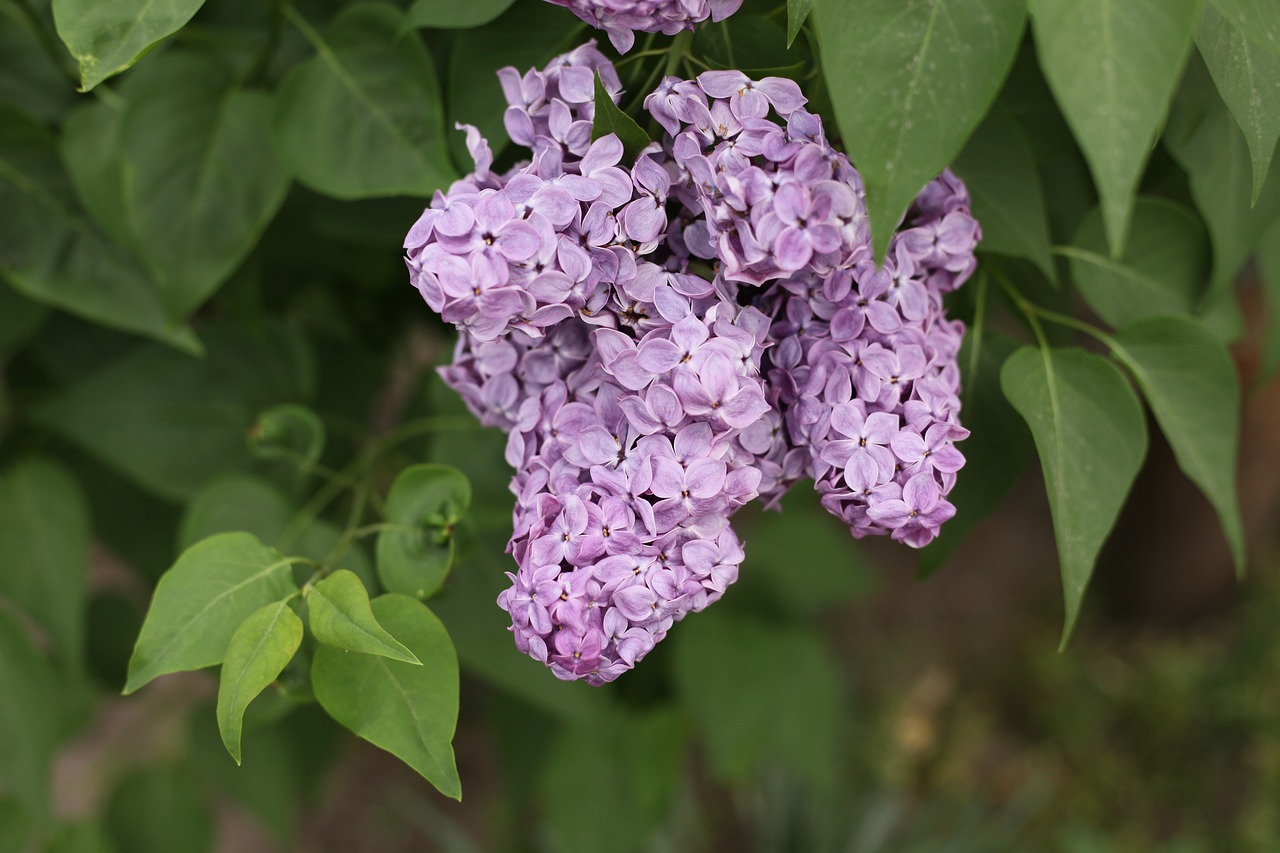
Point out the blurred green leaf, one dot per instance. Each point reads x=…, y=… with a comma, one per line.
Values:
x=171, y=422
x=202, y=178
x=1113, y=68
x=1000, y=171
x=1269, y=272
x=341, y=617
x=910, y=82
x=610, y=119
x=1092, y=438
x=410, y=711
x=30, y=694
x=44, y=549
x=996, y=452
x=1188, y=378
x=1258, y=19
x=450, y=14
x=1246, y=76
x=159, y=809
x=288, y=431
x=371, y=88
x=751, y=42
x=20, y=318
x=17, y=828
x=1209, y=146
x=29, y=78
x=199, y=603
x=797, y=13
x=1162, y=272
x=90, y=147
x=424, y=503
x=81, y=838
x=720, y=662
x=257, y=653
x=106, y=38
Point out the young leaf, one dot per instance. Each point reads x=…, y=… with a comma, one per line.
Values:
x=363, y=117
x=611, y=119
x=1091, y=435
x=450, y=14
x=1113, y=66
x=201, y=600
x=1163, y=269
x=424, y=503
x=410, y=711
x=107, y=38
x=257, y=653
x=1189, y=380
x=1208, y=145
x=1000, y=172
x=44, y=549
x=1258, y=19
x=288, y=431
x=909, y=83
x=1246, y=76
x=341, y=618
x=797, y=12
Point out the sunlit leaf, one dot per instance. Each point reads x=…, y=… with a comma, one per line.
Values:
x=257, y=653
x=340, y=616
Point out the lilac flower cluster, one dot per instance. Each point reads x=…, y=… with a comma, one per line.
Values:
x=622, y=19
x=669, y=338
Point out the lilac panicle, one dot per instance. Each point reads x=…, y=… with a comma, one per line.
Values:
x=666, y=338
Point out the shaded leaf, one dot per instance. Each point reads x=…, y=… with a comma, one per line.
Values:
x=107, y=38
x=20, y=318
x=257, y=653
x=370, y=88
x=1113, y=68
x=1190, y=382
x=1247, y=77
x=341, y=617
x=424, y=503
x=44, y=549
x=288, y=431
x=1162, y=272
x=410, y=711
x=159, y=809
x=1258, y=19
x=610, y=119
x=201, y=601
x=81, y=838
x=910, y=81
x=1000, y=171
x=29, y=701
x=797, y=13
x=1208, y=145
x=450, y=14
x=1091, y=435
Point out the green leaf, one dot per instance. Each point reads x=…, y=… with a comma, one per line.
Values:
x=51, y=254
x=410, y=711
x=1190, y=382
x=1091, y=435
x=107, y=38
x=81, y=838
x=90, y=147
x=288, y=431
x=31, y=77
x=1258, y=19
x=910, y=81
x=450, y=14
x=797, y=13
x=20, y=318
x=1208, y=144
x=172, y=422
x=213, y=587
x=424, y=503
x=996, y=452
x=719, y=662
x=1000, y=171
x=159, y=809
x=370, y=88
x=29, y=705
x=1162, y=272
x=1113, y=66
x=257, y=653
x=44, y=549
x=610, y=118
x=341, y=618
x=1246, y=76
x=203, y=179
x=1269, y=272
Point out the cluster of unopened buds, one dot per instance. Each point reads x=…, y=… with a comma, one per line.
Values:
x=669, y=336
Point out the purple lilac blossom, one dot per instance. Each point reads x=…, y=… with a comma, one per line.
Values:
x=622, y=19
x=667, y=339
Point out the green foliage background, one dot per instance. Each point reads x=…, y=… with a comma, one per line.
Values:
x=218, y=415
